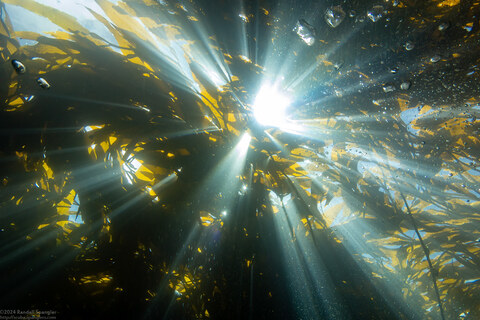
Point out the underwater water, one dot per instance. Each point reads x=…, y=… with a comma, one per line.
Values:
x=239, y=159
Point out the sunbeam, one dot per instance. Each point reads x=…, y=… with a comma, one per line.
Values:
x=310, y=283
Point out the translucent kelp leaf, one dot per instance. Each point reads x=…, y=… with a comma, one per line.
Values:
x=64, y=207
x=206, y=218
x=448, y=3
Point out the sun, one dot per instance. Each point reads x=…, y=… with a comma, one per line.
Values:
x=270, y=107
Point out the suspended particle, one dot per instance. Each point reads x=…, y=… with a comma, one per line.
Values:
x=18, y=66
x=405, y=85
x=334, y=16
x=337, y=65
x=409, y=46
x=393, y=70
x=352, y=13
x=305, y=31
x=43, y=83
x=375, y=13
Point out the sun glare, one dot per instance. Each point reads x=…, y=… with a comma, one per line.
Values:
x=244, y=143
x=270, y=107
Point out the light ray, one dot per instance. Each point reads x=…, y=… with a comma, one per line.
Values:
x=179, y=258
x=385, y=284
x=165, y=182
x=310, y=284
x=97, y=102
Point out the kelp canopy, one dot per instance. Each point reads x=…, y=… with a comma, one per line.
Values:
x=137, y=182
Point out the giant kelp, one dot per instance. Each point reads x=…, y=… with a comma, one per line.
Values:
x=114, y=200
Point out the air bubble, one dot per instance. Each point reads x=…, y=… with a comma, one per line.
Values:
x=443, y=26
x=43, y=83
x=243, y=17
x=405, y=85
x=334, y=16
x=305, y=31
x=388, y=87
x=409, y=46
x=18, y=66
x=375, y=13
